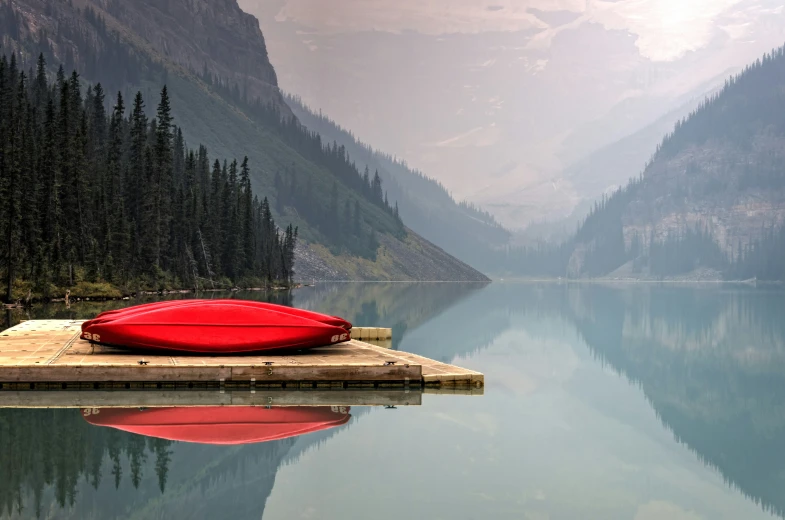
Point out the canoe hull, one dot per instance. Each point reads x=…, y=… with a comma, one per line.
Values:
x=222, y=328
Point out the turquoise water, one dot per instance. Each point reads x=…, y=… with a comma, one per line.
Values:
x=609, y=402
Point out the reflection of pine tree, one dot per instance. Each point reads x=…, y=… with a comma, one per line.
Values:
x=162, y=457
x=135, y=448
x=113, y=447
x=42, y=448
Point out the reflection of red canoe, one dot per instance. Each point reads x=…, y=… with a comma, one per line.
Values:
x=220, y=424
x=218, y=328
x=311, y=315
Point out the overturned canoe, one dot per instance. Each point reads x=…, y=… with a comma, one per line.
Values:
x=226, y=327
x=220, y=424
x=311, y=315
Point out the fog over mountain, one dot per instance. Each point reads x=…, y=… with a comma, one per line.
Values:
x=496, y=100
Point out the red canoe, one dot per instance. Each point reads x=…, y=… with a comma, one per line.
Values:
x=220, y=424
x=311, y=315
x=219, y=328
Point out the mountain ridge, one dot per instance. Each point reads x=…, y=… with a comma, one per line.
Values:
x=428, y=208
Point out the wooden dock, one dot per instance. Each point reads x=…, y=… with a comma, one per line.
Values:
x=50, y=355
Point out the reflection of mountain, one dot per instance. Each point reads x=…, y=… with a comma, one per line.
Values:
x=711, y=364
x=401, y=306
x=62, y=466
x=471, y=325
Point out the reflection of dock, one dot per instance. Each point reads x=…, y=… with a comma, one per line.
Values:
x=152, y=398
x=49, y=354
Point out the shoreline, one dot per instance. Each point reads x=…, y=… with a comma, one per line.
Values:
x=752, y=283
x=21, y=303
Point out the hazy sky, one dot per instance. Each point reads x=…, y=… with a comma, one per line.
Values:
x=497, y=99
x=666, y=29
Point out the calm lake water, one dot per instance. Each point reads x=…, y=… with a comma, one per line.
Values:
x=608, y=402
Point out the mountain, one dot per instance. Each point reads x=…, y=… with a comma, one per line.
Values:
x=495, y=101
x=224, y=95
x=391, y=305
x=426, y=206
x=710, y=203
x=607, y=169
x=602, y=172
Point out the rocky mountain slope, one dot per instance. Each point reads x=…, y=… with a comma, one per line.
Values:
x=712, y=197
x=224, y=94
x=212, y=36
x=604, y=171
x=412, y=258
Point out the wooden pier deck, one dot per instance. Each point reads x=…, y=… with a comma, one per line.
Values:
x=50, y=355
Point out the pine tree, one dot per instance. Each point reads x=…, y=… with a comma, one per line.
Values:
x=233, y=253
x=356, y=219
x=136, y=180
x=346, y=220
x=366, y=186
x=214, y=224
x=376, y=189
x=246, y=213
x=162, y=180
x=13, y=162
x=117, y=236
x=333, y=224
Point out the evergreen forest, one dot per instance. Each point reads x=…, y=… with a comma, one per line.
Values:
x=90, y=194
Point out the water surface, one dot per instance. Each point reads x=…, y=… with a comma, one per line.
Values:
x=609, y=402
